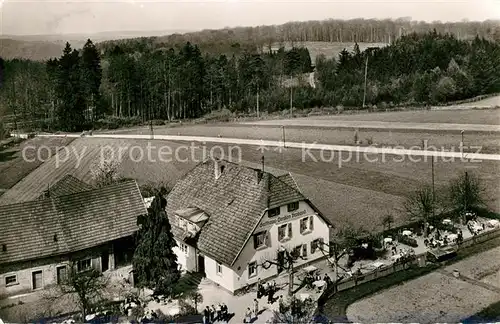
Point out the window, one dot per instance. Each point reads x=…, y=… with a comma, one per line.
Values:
x=285, y=232
x=183, y=224
x=252, y=269
x=61, y=274
x=293, y=206
x=84, y=265
x=274, y=212
x=306, y=225
x=316, y=245
x=304, y=250
x=260, y=240
x=11, y=280
x=218, y=268
x=184, y=248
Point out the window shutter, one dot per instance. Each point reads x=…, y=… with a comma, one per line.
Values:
x=268, y=239
x=311, y=223
x=290, y=230
x=313, y=246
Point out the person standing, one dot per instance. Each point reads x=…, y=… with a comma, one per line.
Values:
x=206, y=315
x=255, y=308
x=270, y=296
x=212, y=314
x=218, y=313
x=224, y=312
x=281, y=304
x=248, y=316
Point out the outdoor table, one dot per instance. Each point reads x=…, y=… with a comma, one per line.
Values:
x=309, y=269
x=446, y=221
x=493, y=223
x=388, y=240
x=377, y=265
x=396, y=256
x=319, y=283
x=303, y=297
x=407, y=233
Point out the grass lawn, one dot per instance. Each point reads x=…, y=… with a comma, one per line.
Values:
x=14, y=167
x=469, y=116
x=335, y=307
x=358, y=190
x=490, y=143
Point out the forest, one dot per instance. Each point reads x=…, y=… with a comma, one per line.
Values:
x=92, y=88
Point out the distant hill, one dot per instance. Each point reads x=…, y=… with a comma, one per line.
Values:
x=237, y=39
x=44, y=47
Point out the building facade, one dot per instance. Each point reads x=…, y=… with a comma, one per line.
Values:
x=235, y=224
x=88, y=229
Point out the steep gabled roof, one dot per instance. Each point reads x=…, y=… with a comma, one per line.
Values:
x=69, y=223
x=235, y=203
x=66, y=186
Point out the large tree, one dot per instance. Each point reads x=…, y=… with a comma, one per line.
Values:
x=154, y=262
x=421, y=205
x=91, y=79
x=466, y=193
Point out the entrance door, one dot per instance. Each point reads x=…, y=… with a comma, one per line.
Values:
x=105, y=261
x=281, y=261
x=37, y=279
x=201, y=264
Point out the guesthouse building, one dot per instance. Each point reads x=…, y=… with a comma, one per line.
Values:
x=229, y=219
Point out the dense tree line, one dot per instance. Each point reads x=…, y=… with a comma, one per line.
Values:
x=81, y=88
x=260, y=38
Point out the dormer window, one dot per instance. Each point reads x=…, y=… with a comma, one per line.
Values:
x=293, y=206
x=274, y=212
x=4, y=247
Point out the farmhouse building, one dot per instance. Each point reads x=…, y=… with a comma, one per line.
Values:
x=229, y=219
x=91, y=228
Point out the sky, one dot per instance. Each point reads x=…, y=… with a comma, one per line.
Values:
x=36, y=17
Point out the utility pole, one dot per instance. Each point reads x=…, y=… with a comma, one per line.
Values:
x=433, y=189
x=283, y=135
x=151, y=127
x=366, y=73
x=291, y=95
x=257, y=101
x=462, y=143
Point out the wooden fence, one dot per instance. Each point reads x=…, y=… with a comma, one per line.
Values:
x=356, y=280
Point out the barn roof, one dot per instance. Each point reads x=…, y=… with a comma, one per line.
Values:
x=64, y=224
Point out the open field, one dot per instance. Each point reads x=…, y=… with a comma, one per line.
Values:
x=329, y=49
x=356, y=191
x=435, y=297
x=490, y=143
x=13, y=167
x=469, y=116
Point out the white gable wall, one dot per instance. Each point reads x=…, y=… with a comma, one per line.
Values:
x=250, y=254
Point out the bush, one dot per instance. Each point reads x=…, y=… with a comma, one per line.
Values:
x=403, y=239
x=220, y=115
x=112, y=122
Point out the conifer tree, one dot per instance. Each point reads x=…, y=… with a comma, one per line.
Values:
x=154, y=262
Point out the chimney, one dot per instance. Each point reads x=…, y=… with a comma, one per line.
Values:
x=218, y=169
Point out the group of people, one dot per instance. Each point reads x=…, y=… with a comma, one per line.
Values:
x=269, y=290
x=474, y=227
x=252, y=313
x=310, y=278
x=217, y=313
